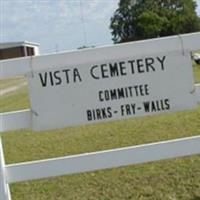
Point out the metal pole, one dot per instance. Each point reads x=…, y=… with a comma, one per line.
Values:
x=4, y=187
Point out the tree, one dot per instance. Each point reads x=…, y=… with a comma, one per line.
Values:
x=142, y=19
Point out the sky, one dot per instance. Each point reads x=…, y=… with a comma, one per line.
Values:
x=58, y=25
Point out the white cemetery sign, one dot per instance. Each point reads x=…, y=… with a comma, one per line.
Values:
x=64, y=95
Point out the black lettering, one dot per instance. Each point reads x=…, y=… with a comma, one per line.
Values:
x=140, y=66
x=94, y=114
x=106, y=94
x=43, y=79
x=113, y=94
x=161, y=60
x=167, y=104
x=77, y=75
x=158, y=105
x=104, y=70
x=109, y=110
x=128, y=109
x=136, y=90
x=126, y=92
x=103, y=111
x=146, y=86
x=153, y=106
x=113, y=69
x=92, y=72
x=141, y=90
x=130, y=91
x=66, y=71
x=146, y=106
x=89, y=115
x=51, y=78
x=100, y=96
x=162, y=105
x=132, y=66
x=149, y=64
x=133, y=108
x=59, y=80
x=98, y=112
x=122, y=110
x=120, y=93
x=122, y=68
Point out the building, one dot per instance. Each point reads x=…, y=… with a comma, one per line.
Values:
x=18, y=49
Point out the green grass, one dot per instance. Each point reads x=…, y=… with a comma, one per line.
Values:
x=172, y=179
x=175, y=179
x=196, y=70
x=15, y=100
x=5, y=83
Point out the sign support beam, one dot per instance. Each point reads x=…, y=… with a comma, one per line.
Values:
x=103, y=159
x=4, y=187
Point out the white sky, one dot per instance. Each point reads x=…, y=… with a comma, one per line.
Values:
x=58, y=24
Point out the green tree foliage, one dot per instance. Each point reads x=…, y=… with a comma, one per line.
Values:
x=141, y=19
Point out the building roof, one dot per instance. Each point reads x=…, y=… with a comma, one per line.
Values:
x=17, y=44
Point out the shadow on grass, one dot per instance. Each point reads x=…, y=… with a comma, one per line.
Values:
x=196, y=198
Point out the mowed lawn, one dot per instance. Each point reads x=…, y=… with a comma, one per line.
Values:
x=175, y=179
x=11, y=82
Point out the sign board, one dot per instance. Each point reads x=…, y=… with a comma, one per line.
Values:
x=66, y=95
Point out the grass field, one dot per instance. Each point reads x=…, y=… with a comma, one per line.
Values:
x=11, y=82
x=175, y=179
x=196, y=69
x=196, y=73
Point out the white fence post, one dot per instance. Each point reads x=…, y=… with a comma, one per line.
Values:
x=4, y=187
